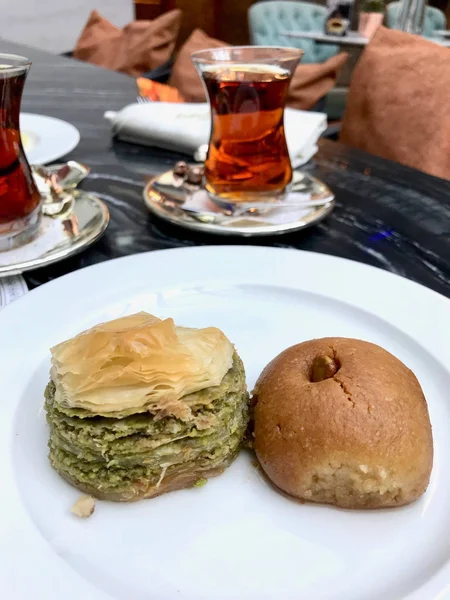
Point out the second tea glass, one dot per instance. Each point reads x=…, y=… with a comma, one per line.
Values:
x=19, y=198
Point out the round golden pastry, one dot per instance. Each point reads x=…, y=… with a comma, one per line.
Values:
x=344, y=422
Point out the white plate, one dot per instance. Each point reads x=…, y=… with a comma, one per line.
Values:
x=236, y=537
x=46, y=139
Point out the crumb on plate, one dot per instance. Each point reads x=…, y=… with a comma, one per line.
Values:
x=83, y=507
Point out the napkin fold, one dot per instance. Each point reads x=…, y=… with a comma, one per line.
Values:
x=11, y=288
x=186, y=127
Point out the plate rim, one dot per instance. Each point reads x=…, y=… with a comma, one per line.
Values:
x=52, y=156
x=420, y=299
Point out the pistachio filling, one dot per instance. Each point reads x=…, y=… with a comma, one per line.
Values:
x=130, y=454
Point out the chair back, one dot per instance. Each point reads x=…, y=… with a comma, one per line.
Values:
x=434, y=18
x=267, y=20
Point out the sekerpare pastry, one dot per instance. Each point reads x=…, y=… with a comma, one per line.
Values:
x=343, y=422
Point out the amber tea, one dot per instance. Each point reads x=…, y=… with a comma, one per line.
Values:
x=19, y=197
x=248, y=159
x=247, y=151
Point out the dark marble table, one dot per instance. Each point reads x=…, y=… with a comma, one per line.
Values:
x=387, y=215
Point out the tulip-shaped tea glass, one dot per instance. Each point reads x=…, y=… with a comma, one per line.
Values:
x=248, y=160
x=19, y=198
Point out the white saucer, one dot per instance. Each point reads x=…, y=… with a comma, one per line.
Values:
x=189, y=206
x=46, y=139
x=59, y=238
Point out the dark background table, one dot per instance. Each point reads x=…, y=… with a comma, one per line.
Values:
x=386, y=215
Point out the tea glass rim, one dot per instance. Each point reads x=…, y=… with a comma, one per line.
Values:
x=19, y=64
x=256, y=55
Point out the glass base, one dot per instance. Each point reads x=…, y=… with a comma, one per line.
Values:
x=303, y=191
x=20, y=231
x=246, y=199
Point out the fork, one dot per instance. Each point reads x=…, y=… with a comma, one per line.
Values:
x=143, y=99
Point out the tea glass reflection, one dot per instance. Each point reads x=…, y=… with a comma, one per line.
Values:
x=19, y=198
x=248, y=160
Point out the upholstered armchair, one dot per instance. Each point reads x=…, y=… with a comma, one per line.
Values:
x=434, y=18
x=268, y=19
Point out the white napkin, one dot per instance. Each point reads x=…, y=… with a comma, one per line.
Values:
x=11, y=288
x=183, y=127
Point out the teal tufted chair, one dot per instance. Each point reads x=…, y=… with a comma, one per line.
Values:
x=267, y=19
x=434, y=18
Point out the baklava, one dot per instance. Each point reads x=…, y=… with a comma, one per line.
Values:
x=139, y=406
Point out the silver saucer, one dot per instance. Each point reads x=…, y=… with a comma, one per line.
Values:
x=187, y=205
x=59, y=238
